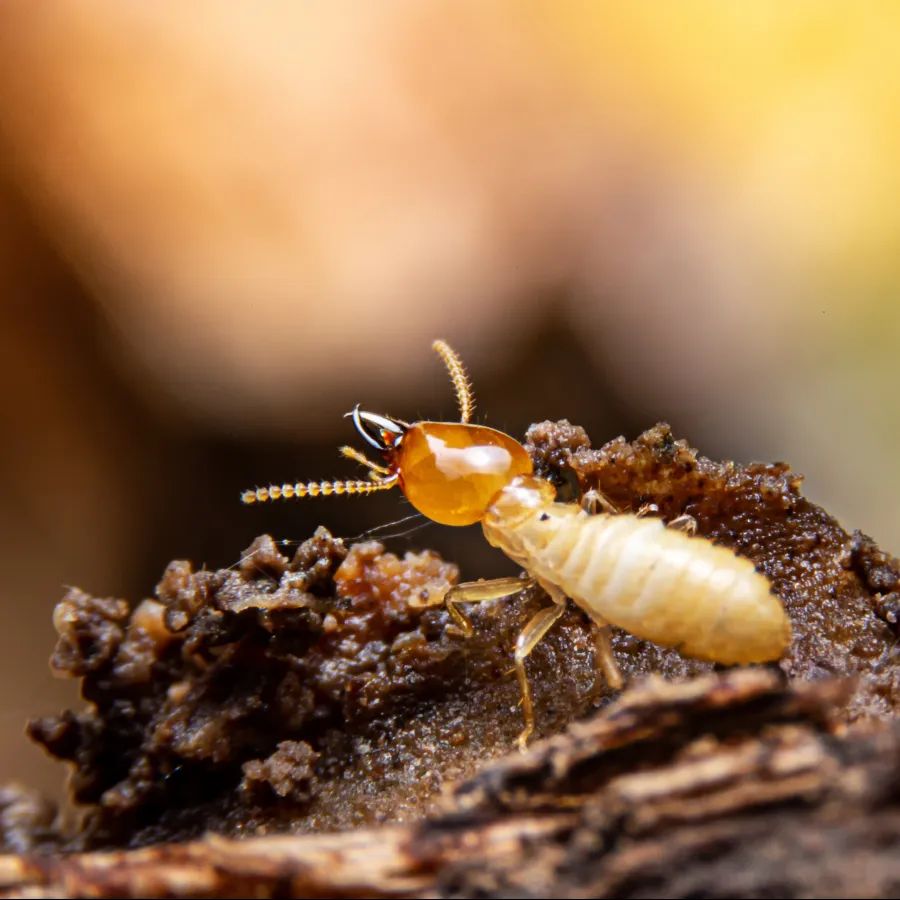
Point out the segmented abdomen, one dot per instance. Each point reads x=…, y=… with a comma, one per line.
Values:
x=659, y=584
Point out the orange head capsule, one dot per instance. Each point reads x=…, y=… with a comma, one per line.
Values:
x=449, y=471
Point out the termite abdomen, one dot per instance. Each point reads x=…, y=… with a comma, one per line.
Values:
x=659, y=584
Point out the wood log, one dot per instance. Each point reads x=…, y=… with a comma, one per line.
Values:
x=732, y=784
x=309, y=727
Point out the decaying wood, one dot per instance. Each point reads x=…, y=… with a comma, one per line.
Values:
x=733, y=784
x=306, y=714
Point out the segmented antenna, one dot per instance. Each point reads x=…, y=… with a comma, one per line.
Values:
x=316, y=489
x=460, y=379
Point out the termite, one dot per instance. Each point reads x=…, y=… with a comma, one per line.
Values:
x=629, y=570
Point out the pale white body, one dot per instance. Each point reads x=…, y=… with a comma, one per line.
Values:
x=655, y=582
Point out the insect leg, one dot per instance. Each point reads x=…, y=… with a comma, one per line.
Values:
x=527, y=640
x=687, y=524
x=604, y=655
x=594, y=499
x=479, y=592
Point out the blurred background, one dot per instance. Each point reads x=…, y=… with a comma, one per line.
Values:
x=223, y=225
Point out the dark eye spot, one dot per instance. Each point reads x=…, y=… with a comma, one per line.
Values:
x=544, y=517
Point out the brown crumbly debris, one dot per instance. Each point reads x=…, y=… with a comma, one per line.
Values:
x=324, y=692
x=90, y=631
x=289, y=772
x=878, y=572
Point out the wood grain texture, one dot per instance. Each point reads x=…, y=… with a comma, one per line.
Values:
x=729, y=785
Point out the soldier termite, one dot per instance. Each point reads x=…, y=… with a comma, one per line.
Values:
x=660, y=583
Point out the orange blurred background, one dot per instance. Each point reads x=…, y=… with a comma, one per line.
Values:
x=224, y=224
